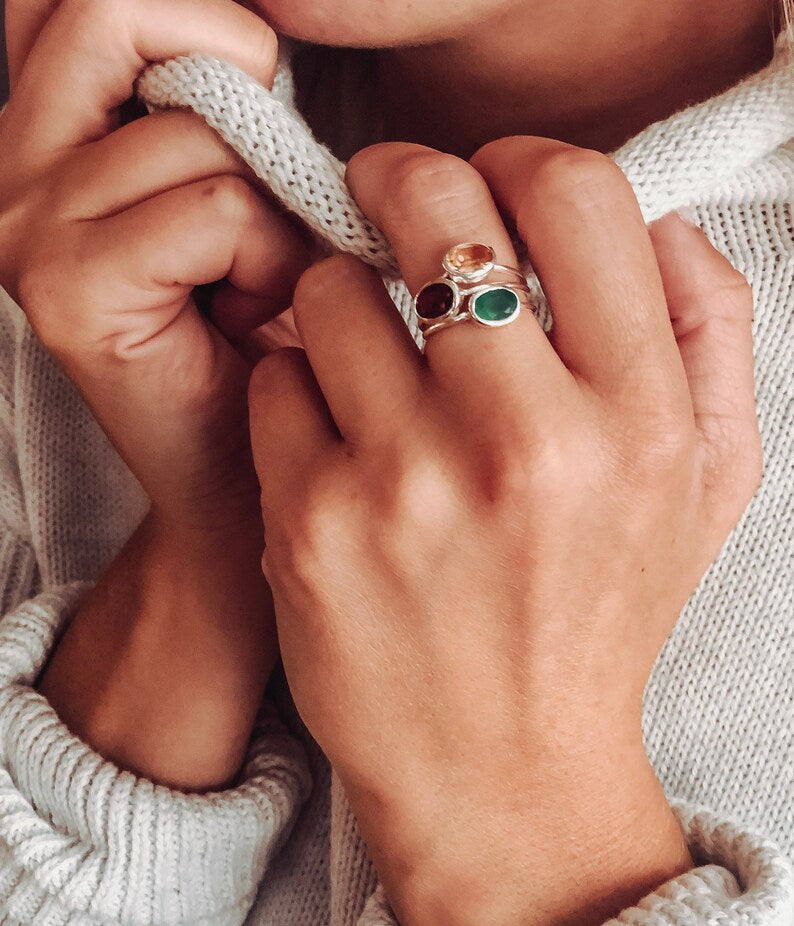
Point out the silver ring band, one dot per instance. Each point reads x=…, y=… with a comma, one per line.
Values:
x=473, y=287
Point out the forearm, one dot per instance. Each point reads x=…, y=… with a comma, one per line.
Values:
x=162, y=669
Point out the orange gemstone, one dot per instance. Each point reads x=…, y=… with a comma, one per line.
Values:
x=469, y=260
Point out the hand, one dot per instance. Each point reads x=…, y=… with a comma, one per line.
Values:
x=105, y=229
x=476, y=555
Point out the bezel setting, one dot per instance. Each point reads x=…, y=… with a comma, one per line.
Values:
x=471, y=272
x=481, y=291
x=477, y=270
x=456, y=299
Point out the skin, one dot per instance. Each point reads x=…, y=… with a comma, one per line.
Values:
x=105, y=231
x=524, y=520
x=112, y=216
x=442, y=64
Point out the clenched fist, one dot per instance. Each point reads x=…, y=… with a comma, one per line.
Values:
x=105, y=230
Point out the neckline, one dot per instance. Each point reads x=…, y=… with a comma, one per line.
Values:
x=671, y=164
x=678, y=161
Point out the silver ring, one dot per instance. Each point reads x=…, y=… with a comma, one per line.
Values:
x=473, y=287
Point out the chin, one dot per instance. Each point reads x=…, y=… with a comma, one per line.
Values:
x=364, y=24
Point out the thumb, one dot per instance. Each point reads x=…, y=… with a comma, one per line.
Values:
x=711, y=310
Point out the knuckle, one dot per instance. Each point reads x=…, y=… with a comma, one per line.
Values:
x=415, y=510
x=264, y=43
x=273, y=366
x=417, y=490
x=326, y=276
x=289, y=560
x=231, y=199
x=507, y=469
x=310, y=538
x=59, y=293
x=271, y=373
x=519, y=465
x=494, y=149
x=576, y=175
x=424, y=179
x=736, y=295
x=662, y=446
x=736, y=467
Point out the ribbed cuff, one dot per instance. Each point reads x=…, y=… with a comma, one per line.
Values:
x=743, y=879
x=83, y=842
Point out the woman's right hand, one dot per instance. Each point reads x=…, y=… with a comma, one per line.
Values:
x=105, y=229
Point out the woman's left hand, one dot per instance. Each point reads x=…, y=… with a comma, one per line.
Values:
x=476, y=555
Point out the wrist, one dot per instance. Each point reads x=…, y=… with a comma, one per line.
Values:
x=172, y=650
x=570, y=844
x=217, y=507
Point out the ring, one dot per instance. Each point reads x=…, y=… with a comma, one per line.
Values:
x=473, y=287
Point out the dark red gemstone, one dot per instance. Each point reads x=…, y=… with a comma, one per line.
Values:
x=435, y=300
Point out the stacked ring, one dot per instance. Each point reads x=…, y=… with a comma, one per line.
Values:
x=473, y=287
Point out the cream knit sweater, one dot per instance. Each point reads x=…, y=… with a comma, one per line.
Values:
x=83, y=842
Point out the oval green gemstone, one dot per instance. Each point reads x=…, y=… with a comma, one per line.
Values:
x=495, y=305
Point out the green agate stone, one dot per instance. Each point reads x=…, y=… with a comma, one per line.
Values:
x=495, y=306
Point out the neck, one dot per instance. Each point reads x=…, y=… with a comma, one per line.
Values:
x=589, y=73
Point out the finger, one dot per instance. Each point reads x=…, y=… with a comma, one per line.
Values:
x=142, y=159
x=273, y=335
x=151, y=256
x=590, y=248
x=291, y=425
x=163, y=151
x=263, y=320
x=425, y=202
x=89, y=53
x=24, y=21
x=711, y=308
x=362, y=354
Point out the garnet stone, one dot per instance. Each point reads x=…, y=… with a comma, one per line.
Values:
x=435, y=300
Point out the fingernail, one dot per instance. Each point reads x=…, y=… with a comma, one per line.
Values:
x=689, y=215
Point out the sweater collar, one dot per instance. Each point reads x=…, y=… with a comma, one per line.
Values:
x=672, y=164
x=684, y=159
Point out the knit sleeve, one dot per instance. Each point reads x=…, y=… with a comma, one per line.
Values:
x=83, y=843
x=741, y=879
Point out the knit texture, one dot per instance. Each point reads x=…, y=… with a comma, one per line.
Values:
x=672, y=165
x=83, y=842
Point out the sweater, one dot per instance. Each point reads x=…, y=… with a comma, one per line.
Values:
x=84, y=843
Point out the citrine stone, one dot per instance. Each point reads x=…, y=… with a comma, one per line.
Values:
x=495, y=306
x=435, y=300
x=469, y=261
